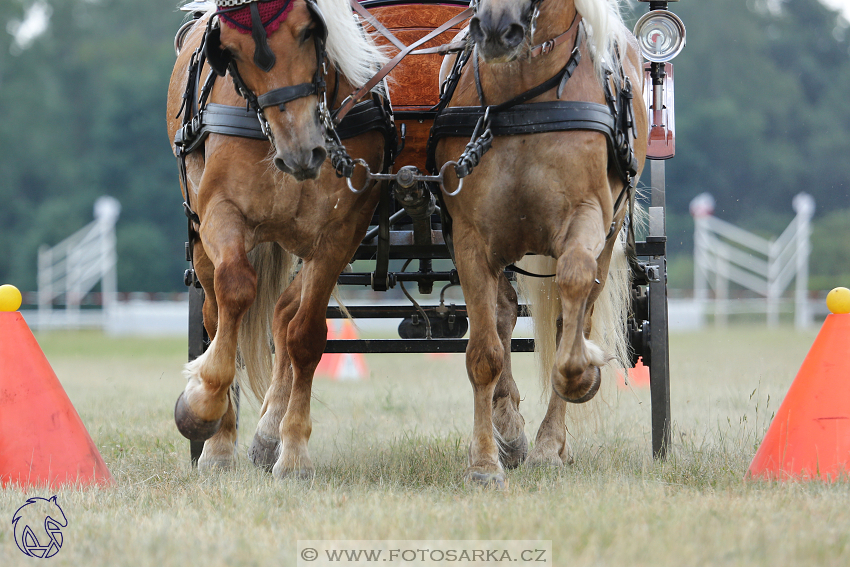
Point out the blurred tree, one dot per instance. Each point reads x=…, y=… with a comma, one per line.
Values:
x=761, y=115
x=760, y=111
x=83, y=111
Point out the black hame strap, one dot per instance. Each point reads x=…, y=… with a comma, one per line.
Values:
x=279, y=97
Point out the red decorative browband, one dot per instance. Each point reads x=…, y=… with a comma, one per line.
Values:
x=272, y=14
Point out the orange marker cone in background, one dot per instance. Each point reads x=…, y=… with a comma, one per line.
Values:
x=810, y=435
x=329, y=359
x=42, y=439
x=638, y=376
x=346, y=365
x=350, y=365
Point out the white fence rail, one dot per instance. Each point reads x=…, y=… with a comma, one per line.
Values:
x=725, y=253
x=72, y=268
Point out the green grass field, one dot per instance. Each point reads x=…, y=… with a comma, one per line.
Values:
x=389, y=454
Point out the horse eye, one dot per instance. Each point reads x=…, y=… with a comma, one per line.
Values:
x=308, y=33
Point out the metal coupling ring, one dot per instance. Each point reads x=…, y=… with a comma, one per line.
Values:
x=443, y=177
x=368, y=177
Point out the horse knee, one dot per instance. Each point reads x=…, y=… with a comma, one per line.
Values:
x=576, y=273
x=305, y=342
x=235, y=285
x=484, y=362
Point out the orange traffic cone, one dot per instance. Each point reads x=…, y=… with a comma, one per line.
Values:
x=329, y=360
x=810, y=435
x=42, y=439
x=350, y=365
x=638, y=376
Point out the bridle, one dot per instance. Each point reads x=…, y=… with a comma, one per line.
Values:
x=222, y=62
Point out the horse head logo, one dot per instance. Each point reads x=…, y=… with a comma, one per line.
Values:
x=38, y=527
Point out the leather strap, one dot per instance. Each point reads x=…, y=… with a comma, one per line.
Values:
x=242, y=122
x=279, y=97
x=534, y=118
x=385, y=70
x=373, y=21
x=559, y=79
x=549, y=45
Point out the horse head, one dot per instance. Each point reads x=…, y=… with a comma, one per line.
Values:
x=38, y=527
x=500, y=28
x=275, y=52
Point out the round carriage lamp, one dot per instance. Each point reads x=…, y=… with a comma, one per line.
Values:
x=661, y=35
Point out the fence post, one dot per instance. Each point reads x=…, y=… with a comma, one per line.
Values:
x=804, y=206
x=701, y=207
x=106, y=211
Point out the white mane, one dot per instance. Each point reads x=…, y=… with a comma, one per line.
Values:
x=349, y=46
x=605, y=29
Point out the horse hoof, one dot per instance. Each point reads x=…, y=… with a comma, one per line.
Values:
x=263, y=452
x=594, y=388
x=217, y=464
x=190, y=426
x=513, y=453
x=493, y=480
x=546, y=463
x=295, y=474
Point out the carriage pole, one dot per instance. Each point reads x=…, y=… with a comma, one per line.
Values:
x=659, y=365
x=197, y=346
x=661, y=35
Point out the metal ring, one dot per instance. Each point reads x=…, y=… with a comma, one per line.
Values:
x=368, y=177
x=442, y=177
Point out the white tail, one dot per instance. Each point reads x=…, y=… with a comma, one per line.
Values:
x=275, y=269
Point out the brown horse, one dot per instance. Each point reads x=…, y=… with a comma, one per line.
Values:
x=556, y=194
x=260, y=206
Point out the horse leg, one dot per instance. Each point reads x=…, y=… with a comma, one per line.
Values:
x=306, y=337
x=551, y=447
x=266, y=443
x=576, y=376
x=485, y=357
x=205, y=400
x=507, y=421
x=220, y=449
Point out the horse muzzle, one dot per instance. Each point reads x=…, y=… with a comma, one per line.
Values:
x=302, y=165
x=498, y=41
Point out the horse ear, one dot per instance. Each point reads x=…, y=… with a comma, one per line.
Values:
x=218, y=58
x=319, y=19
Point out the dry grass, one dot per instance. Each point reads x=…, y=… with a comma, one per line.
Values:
x=390, y=451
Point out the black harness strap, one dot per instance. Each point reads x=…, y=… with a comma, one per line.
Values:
x=279, y=97
x=219, y=119
x=517, y=269
x=533, y=118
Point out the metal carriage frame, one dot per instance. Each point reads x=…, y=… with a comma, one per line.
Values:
x=411, y=231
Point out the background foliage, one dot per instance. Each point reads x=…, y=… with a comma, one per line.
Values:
x=762, y=114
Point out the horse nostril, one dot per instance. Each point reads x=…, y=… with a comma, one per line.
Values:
x=513, y=36
x=475, y=30
x=318, y=157
x=281, y=165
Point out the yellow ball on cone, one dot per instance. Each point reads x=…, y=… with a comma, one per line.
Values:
x=838, y=301
x=10, y=298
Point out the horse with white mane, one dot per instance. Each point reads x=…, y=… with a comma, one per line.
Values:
x=561, y=193
x=258, y=205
